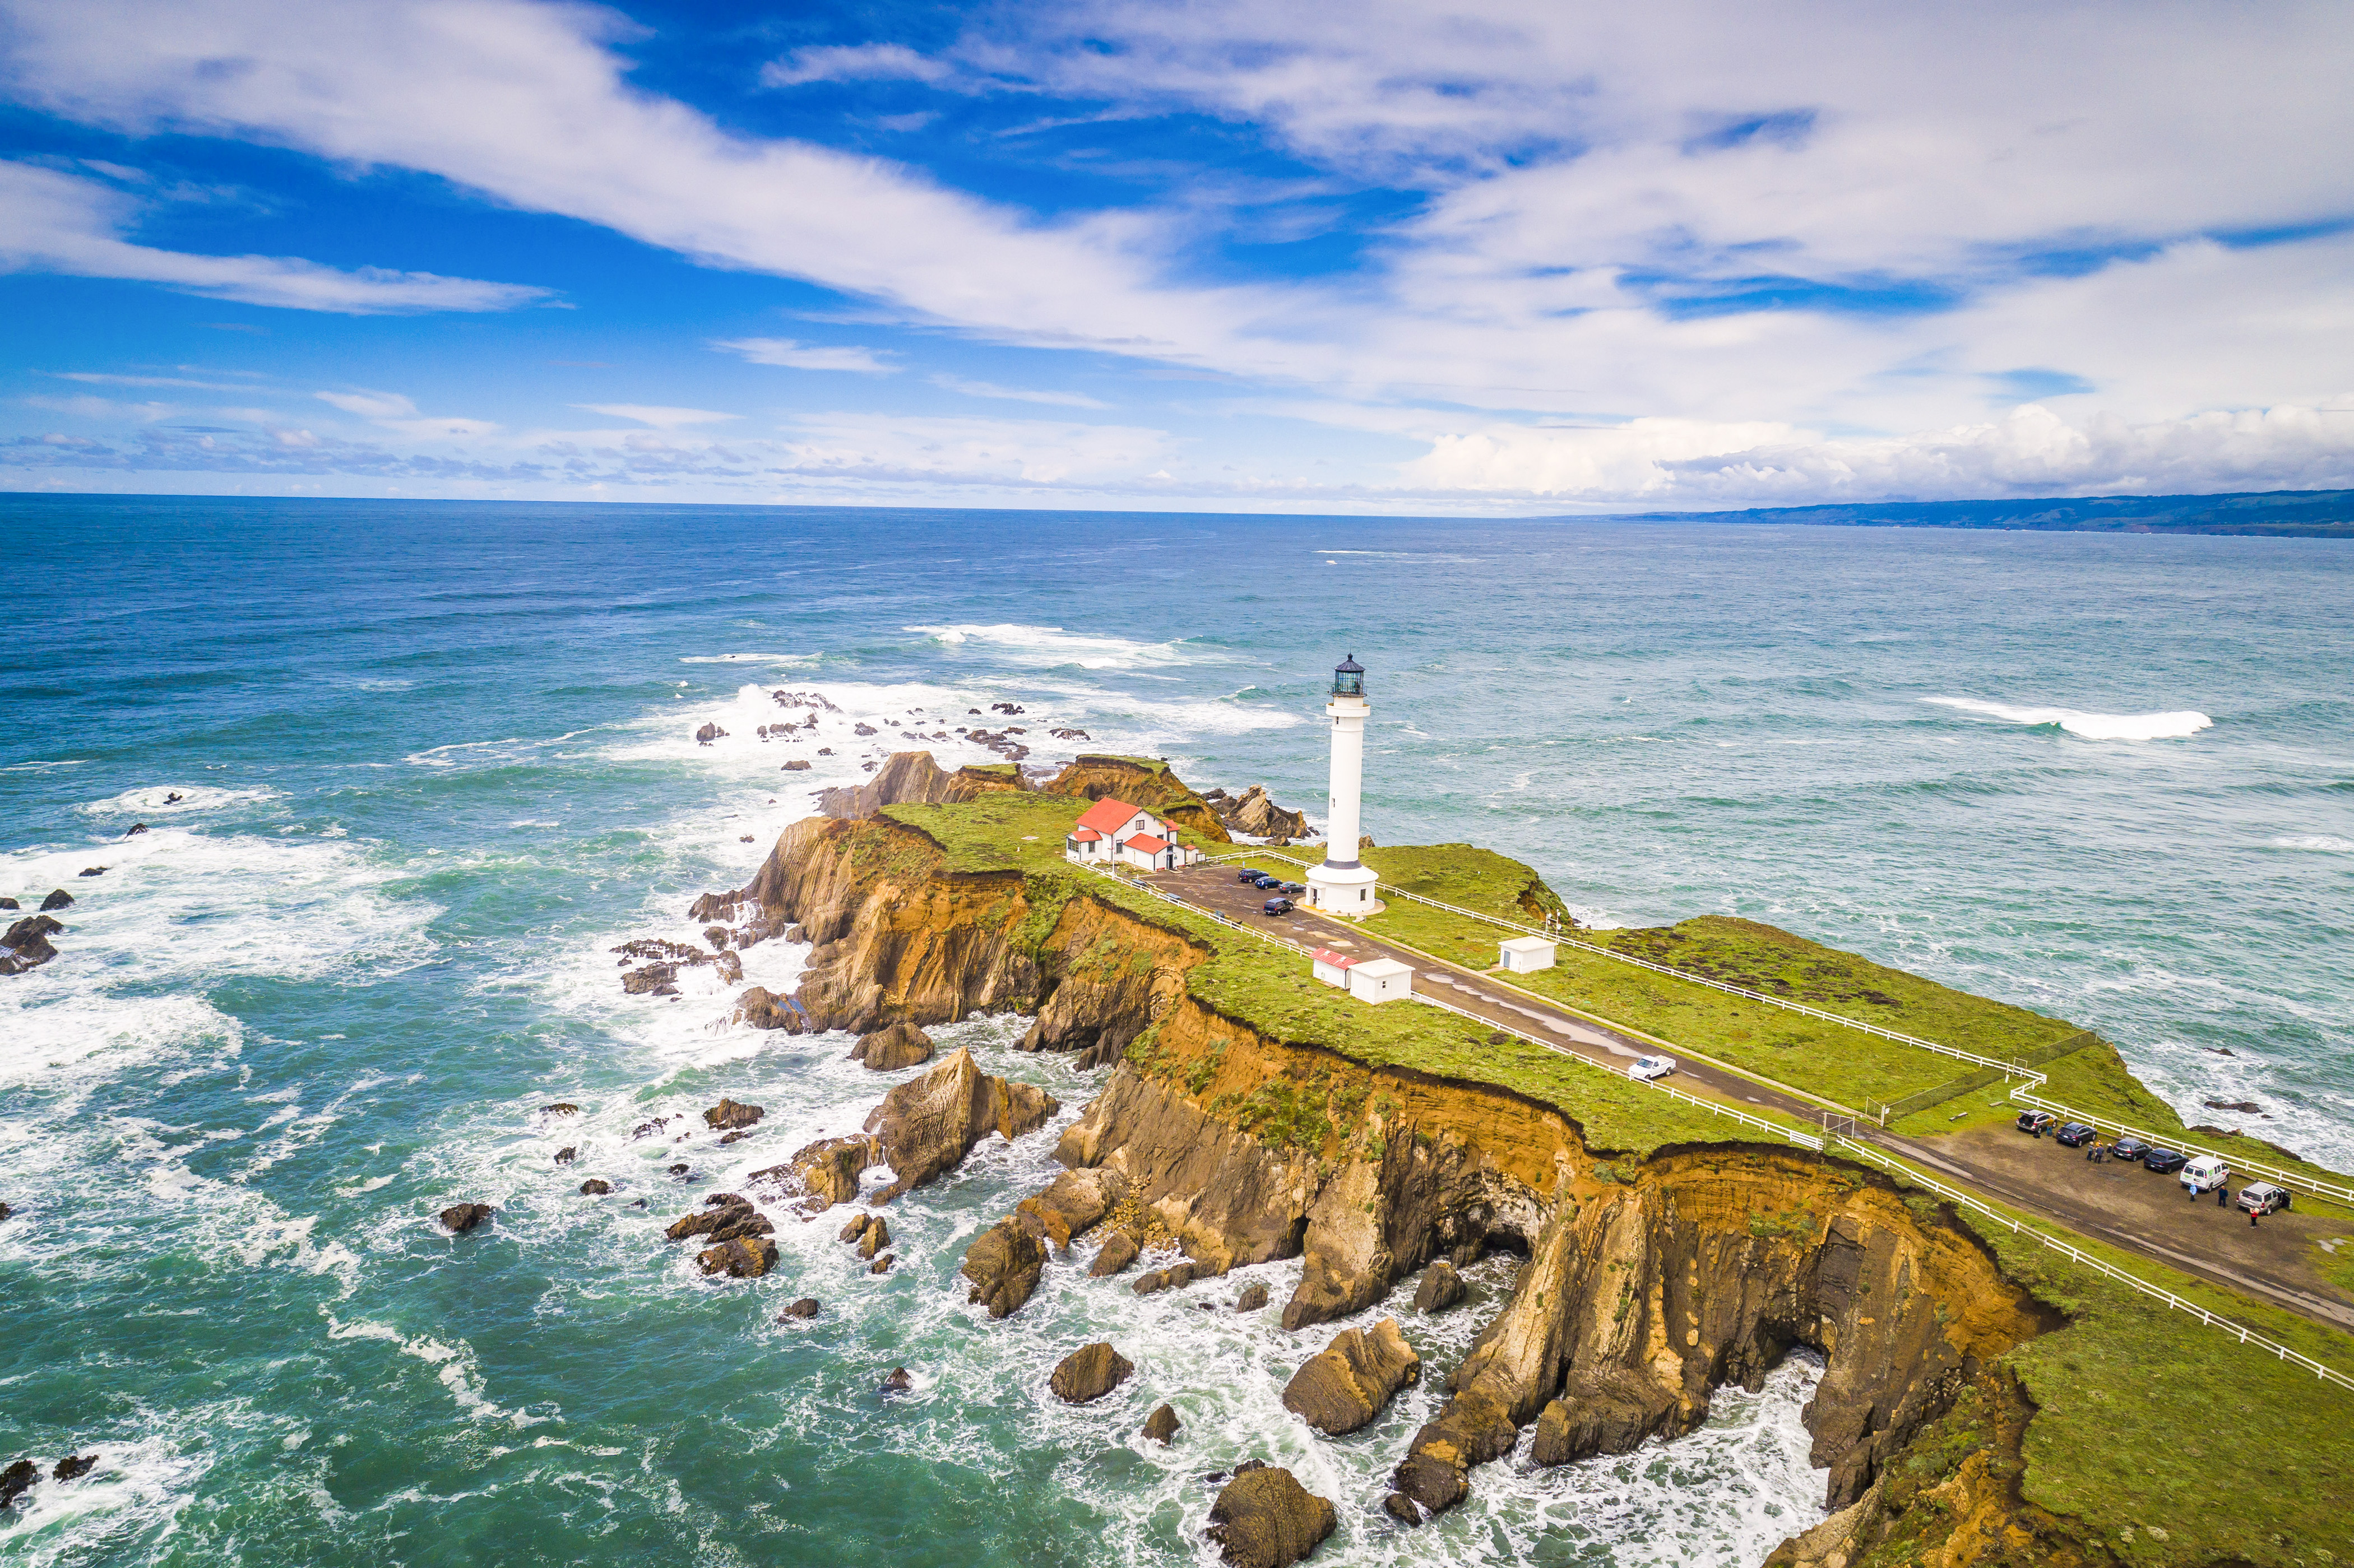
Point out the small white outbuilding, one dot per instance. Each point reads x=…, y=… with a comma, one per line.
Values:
x=1331, y=968
x=1380, y=979
x=1523, y=955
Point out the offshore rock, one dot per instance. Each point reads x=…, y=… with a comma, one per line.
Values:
x=899, y=1381
x=27, y=944
x=1162, y=1425
x=73, y=1466
x=894, y=1047
x=883, y=1264
x=749, y=1258
x=1353, y=1379
x=1253, y=1298
x=9, y=903
x=1174, y=1277
x=807, y=1306
x=595, y=1187
x=1004, y=1266
x=59, y=898
x=1265, y=1518
x=856, y=1227
x=725, y=1222
x=715, y=906
x=764, y=1009
x=1089, y=1372
x=728, y=1115
x=16, y=1479
x=1118, y=1252
x=924, y=1126
x=1441, y=1288
x=464, y=1217
x=826, y=1170
x=878, y=1237
x=652, y=979
x=561, y=1107
x=1605, y=1410
x=567, y=1155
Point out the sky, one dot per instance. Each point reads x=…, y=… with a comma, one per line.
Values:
x=1483, y=258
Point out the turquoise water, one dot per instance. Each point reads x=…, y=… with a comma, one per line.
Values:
x=435, y=761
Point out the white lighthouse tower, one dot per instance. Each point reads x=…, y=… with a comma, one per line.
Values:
x=1341, y=886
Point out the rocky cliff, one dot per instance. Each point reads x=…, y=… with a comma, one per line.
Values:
x=1139, y=784
x=913, y=775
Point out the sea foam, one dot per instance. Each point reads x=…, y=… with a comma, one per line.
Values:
x=2089, y=727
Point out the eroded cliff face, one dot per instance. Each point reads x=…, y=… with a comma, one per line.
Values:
x=914, y=777
x=1648, y=1284
x=1095, y=778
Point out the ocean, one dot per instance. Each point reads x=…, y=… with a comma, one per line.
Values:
x=410, y=772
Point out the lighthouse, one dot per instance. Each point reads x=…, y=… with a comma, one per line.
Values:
x=1341, y=886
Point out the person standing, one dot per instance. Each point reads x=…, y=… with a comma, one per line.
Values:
x=2222, y=1195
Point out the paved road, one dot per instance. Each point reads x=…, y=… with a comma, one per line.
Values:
x=2125, y=1206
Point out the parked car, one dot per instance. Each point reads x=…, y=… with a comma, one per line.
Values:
x=2165, y=1161
x=2036, y=1121
x=2205, y=1174
x=2076, y=1134
x=1264, y=881
x=2262, y=1197
x=1248, y=878
x=2128, y=1149
x=1277, y=907
x=1295, y=888
x=1650, y=1068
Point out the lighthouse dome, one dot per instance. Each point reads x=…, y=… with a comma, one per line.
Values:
x=1349, y=678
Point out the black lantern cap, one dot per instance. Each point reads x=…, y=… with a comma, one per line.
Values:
x=1349, y=666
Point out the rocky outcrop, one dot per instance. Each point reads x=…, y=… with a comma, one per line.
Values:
x=595, y=1187
x=728, y=1115
x=1148, y=785
x=73, y=1466
x=1089, y=1372
x=1441, y=1288
x=764, y=1009
x=821, y=1175
x=912, y=776
x=806, y=1307
x=893, y=1047
x=1162, y=1425
x=748, y=1258
x=1254, y=814
x=721, y=1222
x=59, y=898
x=463, y=1217
x=27, y=944
x=1004, y=1266
x=1264, y=1519
x=924, y=1126
x=1118, y=1252
x=1353, y=1379
x=1252, y=1299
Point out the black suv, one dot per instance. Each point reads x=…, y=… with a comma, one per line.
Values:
x=2128, y=1149
x=1248, y=878
x=2166, y=1161
x=2036, y=1121
x=1277, y=907
x=2076, y=1134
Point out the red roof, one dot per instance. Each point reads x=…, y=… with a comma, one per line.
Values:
x=1107, y=814
x=1148, y=843
x=1086, y=835
x=1339, y=960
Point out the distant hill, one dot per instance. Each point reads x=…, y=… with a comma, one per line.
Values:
x=2300, y=513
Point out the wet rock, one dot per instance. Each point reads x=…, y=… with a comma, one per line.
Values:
x=806, y=1307
x=1004, y=1266
x=2245, y=1107
x=1353, y=1379
x=718, y=937
x=898, y=1381
x=464, y=1217
x=738, y=1136
x=16, y=1480
x=798, y=765
x=567, y=1155
x=1441, y=1288
x=726, y=1201
x=747, y=1257
x=862, y=729
x=1170, y=1278
x=680, y=1169
x=73, y=1466
x=59, y=898
x=6, y=1211
x=878, y=1237
x=1601, y=1411
x=889, y=1049
x=856, y=1227
x=27, y=945
x=655, y=979
x=796, y=934
x=708, y=734
x=9, y=903
x=1265, y=1518
x=729, y=1221
x=135, y=828
x=713, y=907
x=1118, y=1252
x=728, y=1115
x=826, y=1172
x=1400, y=1506
x=1162, y=1425
x=883, y=1264
x=1253, y=1298
x=595, y=1187
x=764, y=1009
x=93, y=871
x=560, y=1108
x=1089, y=1372
x=925, y=1126
x=648, y=1129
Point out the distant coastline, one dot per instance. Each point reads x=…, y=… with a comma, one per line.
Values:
x=2286, y=514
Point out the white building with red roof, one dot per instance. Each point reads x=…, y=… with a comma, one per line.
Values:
x=1113, y=832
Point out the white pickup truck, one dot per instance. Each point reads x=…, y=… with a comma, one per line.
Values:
x=1650, y=1067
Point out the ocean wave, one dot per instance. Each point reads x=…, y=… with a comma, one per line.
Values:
x=2088, y=725
x=2321, y=841
x=1051, y=645
x=172, y=800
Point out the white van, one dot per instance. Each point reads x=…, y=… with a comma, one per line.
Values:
x=2205, y=1174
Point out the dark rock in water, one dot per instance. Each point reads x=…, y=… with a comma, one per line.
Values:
x=561, y=1107
x=567, y=1155
x=713, y=907
x=718, y=937
x=856, y=1227
x=862, y=729
x=1400, y=1507
x=883, y=1264
x=1170, y=1278
x=93, y=871
x=806, y=1307
x=876, y=1237
x=764, y=1009
x=1606, y=1410
x=798, y=765
x=747, y=1257
x=1162, y=1425
x=1265, y=1518
x=926, y=1125
x=827, y=1171
x=2245, y=1107
x=1253, y=1298
x=649, y=978
x=708, y=734
x=9, y=903
x=738, y=1136
x=1353, y=1379
x=726, y=1201
x=73, y=1466
x=680, y=1169
x=898, y=1381
x=27, y=944
x=648, y=1129
x=725, y=1222
x=135, y=828
x=729, y=1114
x=16, y=1480
x=825, y=751
x=889, y=1049
x=796, y=934
x=1089, y=1372
x=595, y=1187
x=2222, y=1050
x=464, y=1217
x=1118, y=1252
x=1441, y=1288
x=1004, y=1266
x=57, y=899
x=6, y=1211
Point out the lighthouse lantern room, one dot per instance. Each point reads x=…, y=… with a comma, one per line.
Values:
x=1341, y=886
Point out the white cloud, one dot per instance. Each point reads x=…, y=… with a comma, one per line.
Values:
x=1016, y=394
x=101, y=378
x=394, y=412
x=659, y=418
x=88, y=406
x=369, y=405
x=795, y=355
x=52, y=222
x=884, y=448
x=853, y=62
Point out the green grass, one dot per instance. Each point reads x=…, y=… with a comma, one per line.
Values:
x=2336, y=1264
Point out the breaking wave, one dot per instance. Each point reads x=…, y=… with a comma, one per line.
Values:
x=2088, y=727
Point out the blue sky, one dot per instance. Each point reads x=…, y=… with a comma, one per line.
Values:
x=1498, y=258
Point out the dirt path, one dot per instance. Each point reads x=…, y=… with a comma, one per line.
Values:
x=2123, y=1206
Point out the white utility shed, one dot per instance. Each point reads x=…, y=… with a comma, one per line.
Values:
x=1380, y=979
x=1331, y=968
x=1523, y=954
